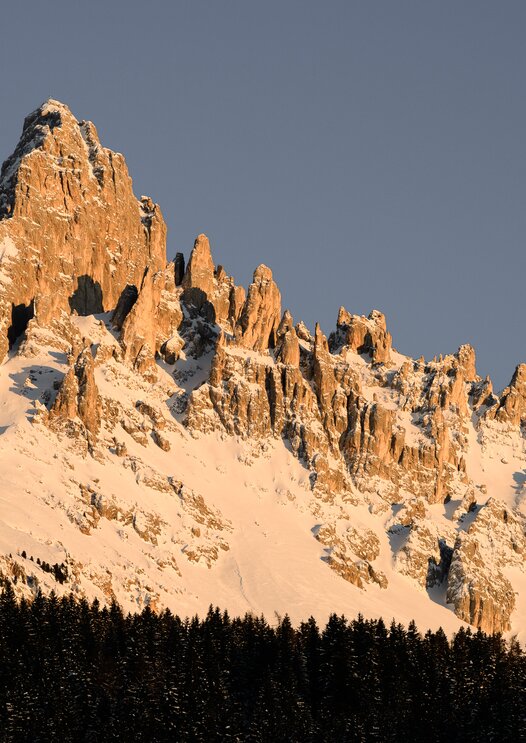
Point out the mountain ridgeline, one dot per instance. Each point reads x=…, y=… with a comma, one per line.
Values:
x=174, y=440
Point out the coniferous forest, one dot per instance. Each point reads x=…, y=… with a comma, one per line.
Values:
x=75, y=671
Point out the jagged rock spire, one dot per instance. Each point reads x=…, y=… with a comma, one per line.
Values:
x=78, y=396
x=98, y=236
x=363, y=335
x=374, y=430
x=261, y=314
x=287, y=344
x=512, y=406
x=200, y=269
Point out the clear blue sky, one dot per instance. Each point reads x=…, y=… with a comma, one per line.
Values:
x=372, y=153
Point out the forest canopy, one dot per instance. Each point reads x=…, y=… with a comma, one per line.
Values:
x=75, y=671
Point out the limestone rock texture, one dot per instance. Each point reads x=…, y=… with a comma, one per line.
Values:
x=260, y=316
x=72, y=234
x=364, y=334
x=351, y=554
x=148, y=321
x=511, y=407
x=179, y=441
x=209, y=290
x=287, y=343
x=477, y=585
x=78, y=395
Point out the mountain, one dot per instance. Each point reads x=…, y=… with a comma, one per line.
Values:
x=168, y=439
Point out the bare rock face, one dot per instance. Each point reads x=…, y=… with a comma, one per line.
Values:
x=88, y=400
x=178, y=269
x=468, y=504
x=126, y=301
x=253, y=397
x=424, y=556
x=241, y=404
x=237, y=302
x=331, y=395
x=482, y=394
x=150, y=324
x=374, y=445
x=303, y=332
x=351, y=553
x=200, y=269
x=139, y=330
x=481, y=594
x=78, y=396
x=411, y=511
x=171, y=349
x=97, y=239
x=512, y=404
x=363, y=335
x=391, y=435
x=287, y=344
x=65, y=406
x=160, y=440
x=209, y=290
x=467, y=362
x=168, y=313
x=260, y=318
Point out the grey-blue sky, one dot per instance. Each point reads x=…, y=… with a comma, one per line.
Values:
x=372, y=153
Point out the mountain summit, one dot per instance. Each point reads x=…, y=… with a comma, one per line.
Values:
x=72, y=233
x=170, y=439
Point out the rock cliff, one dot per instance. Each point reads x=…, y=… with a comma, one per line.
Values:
x=158, y=395
x=72, y=234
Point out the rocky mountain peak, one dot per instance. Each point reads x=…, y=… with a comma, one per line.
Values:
x=38, y=133
x=512, y=404
x=344, y=318
x=320, y=341
x=261, y=313
x=374, y=472
x=467, y=361
x=262, y=275
x=361, y=334
x=98, y=236
x=200, y=269
x=287, y=343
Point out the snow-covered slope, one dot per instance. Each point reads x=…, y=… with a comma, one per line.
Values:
x=159, y=548
x=215, y=519
x=191, y=445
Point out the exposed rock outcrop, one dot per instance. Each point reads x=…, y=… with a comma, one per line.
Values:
x=363, y=335
x=199, y=274
x=139, y=330
x=425, y=555
x=253, y=397
x=287, y=344
x=151, y=322
x=351, y=553
x=98, y=238
x=124, y=305
x=511, y=407
x=406, y=446
x=260, y=317
x=78, y=396
x=210, y=290
x=480, y=592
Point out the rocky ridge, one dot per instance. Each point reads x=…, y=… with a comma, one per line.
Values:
x=410, y=473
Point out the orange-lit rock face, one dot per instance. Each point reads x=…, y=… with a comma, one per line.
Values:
x=72, y=233
x=184, y=352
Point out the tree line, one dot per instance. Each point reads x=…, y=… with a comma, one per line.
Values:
x=71, y=670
